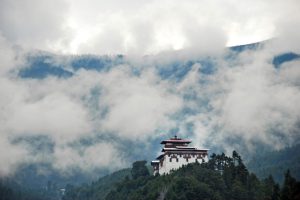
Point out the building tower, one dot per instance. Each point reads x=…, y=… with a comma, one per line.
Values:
x=177, y=153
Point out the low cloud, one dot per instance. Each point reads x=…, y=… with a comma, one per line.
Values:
x=188, y=82
x=103, y=155
x=144, y=27
x=91, y=106
x=33, y=22
x=138, y=106
x=12, y=157
x=247, y=100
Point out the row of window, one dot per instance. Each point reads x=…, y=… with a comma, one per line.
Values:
x=177, y=159
x=192, y=155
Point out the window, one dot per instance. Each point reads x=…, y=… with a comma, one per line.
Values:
x=176, y=159
x=170, y=159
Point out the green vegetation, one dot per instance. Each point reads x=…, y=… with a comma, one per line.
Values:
x=222, y=177
x=276, y=163
x=98, y=189
x=139, y=169
x=10, y=190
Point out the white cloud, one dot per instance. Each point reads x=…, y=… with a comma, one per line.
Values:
x=55, y=115
x=100, y=155
x=257, y=101
x=290, y=73
x=61, y=109
x=143, y=27
x=247, y=98
x=34, y=23
x=6, y=55
x=11, y=157
x=250, y=100
x=137, y=105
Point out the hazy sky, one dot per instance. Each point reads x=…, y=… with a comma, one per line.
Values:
x=94, y=118
x=142, y=27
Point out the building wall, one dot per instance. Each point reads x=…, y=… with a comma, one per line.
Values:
x=170, y=162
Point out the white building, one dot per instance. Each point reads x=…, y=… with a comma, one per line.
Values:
x=176, y=153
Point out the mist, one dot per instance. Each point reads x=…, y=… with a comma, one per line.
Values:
x=176, y=75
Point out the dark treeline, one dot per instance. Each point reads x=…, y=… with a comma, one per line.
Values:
x=276, y=162
x=98, y=189
x=222, y=178
x=10, y=190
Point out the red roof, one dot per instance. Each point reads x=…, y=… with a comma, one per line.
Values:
x=176, y=141
x=183, y=150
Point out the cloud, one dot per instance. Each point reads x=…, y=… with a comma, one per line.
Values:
x=7, y=55
x=33, y=23
x=86, y=117
x=144, y=27
x=54, y=114
x=138, y=106
x=247, y=101
x=67, y=158
x=90, y=116
x=87, y=106
x=12, y=158
x=290, y=73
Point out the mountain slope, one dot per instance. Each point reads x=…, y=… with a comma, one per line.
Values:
x=276, y=163
x=98, y=189
x=221, y=178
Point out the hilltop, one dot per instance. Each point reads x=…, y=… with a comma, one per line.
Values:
x=222, y=177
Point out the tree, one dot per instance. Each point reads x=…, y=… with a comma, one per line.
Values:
x=139, y=169
x=291, y=188
x=239, y=192
x=271, y=189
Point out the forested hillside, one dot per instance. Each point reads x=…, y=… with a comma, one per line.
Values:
x=276, y=162
x=98, y=189
x=222, y=177
x=11, y=190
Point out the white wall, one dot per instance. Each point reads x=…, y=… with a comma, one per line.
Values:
x=168, y=166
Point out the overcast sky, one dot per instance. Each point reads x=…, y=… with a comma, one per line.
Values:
x=133, y=104
x=142, y=27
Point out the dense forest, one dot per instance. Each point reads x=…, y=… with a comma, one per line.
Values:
x=13, y=190
x=10, y=190
x=223, y=177
x=276, y=162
